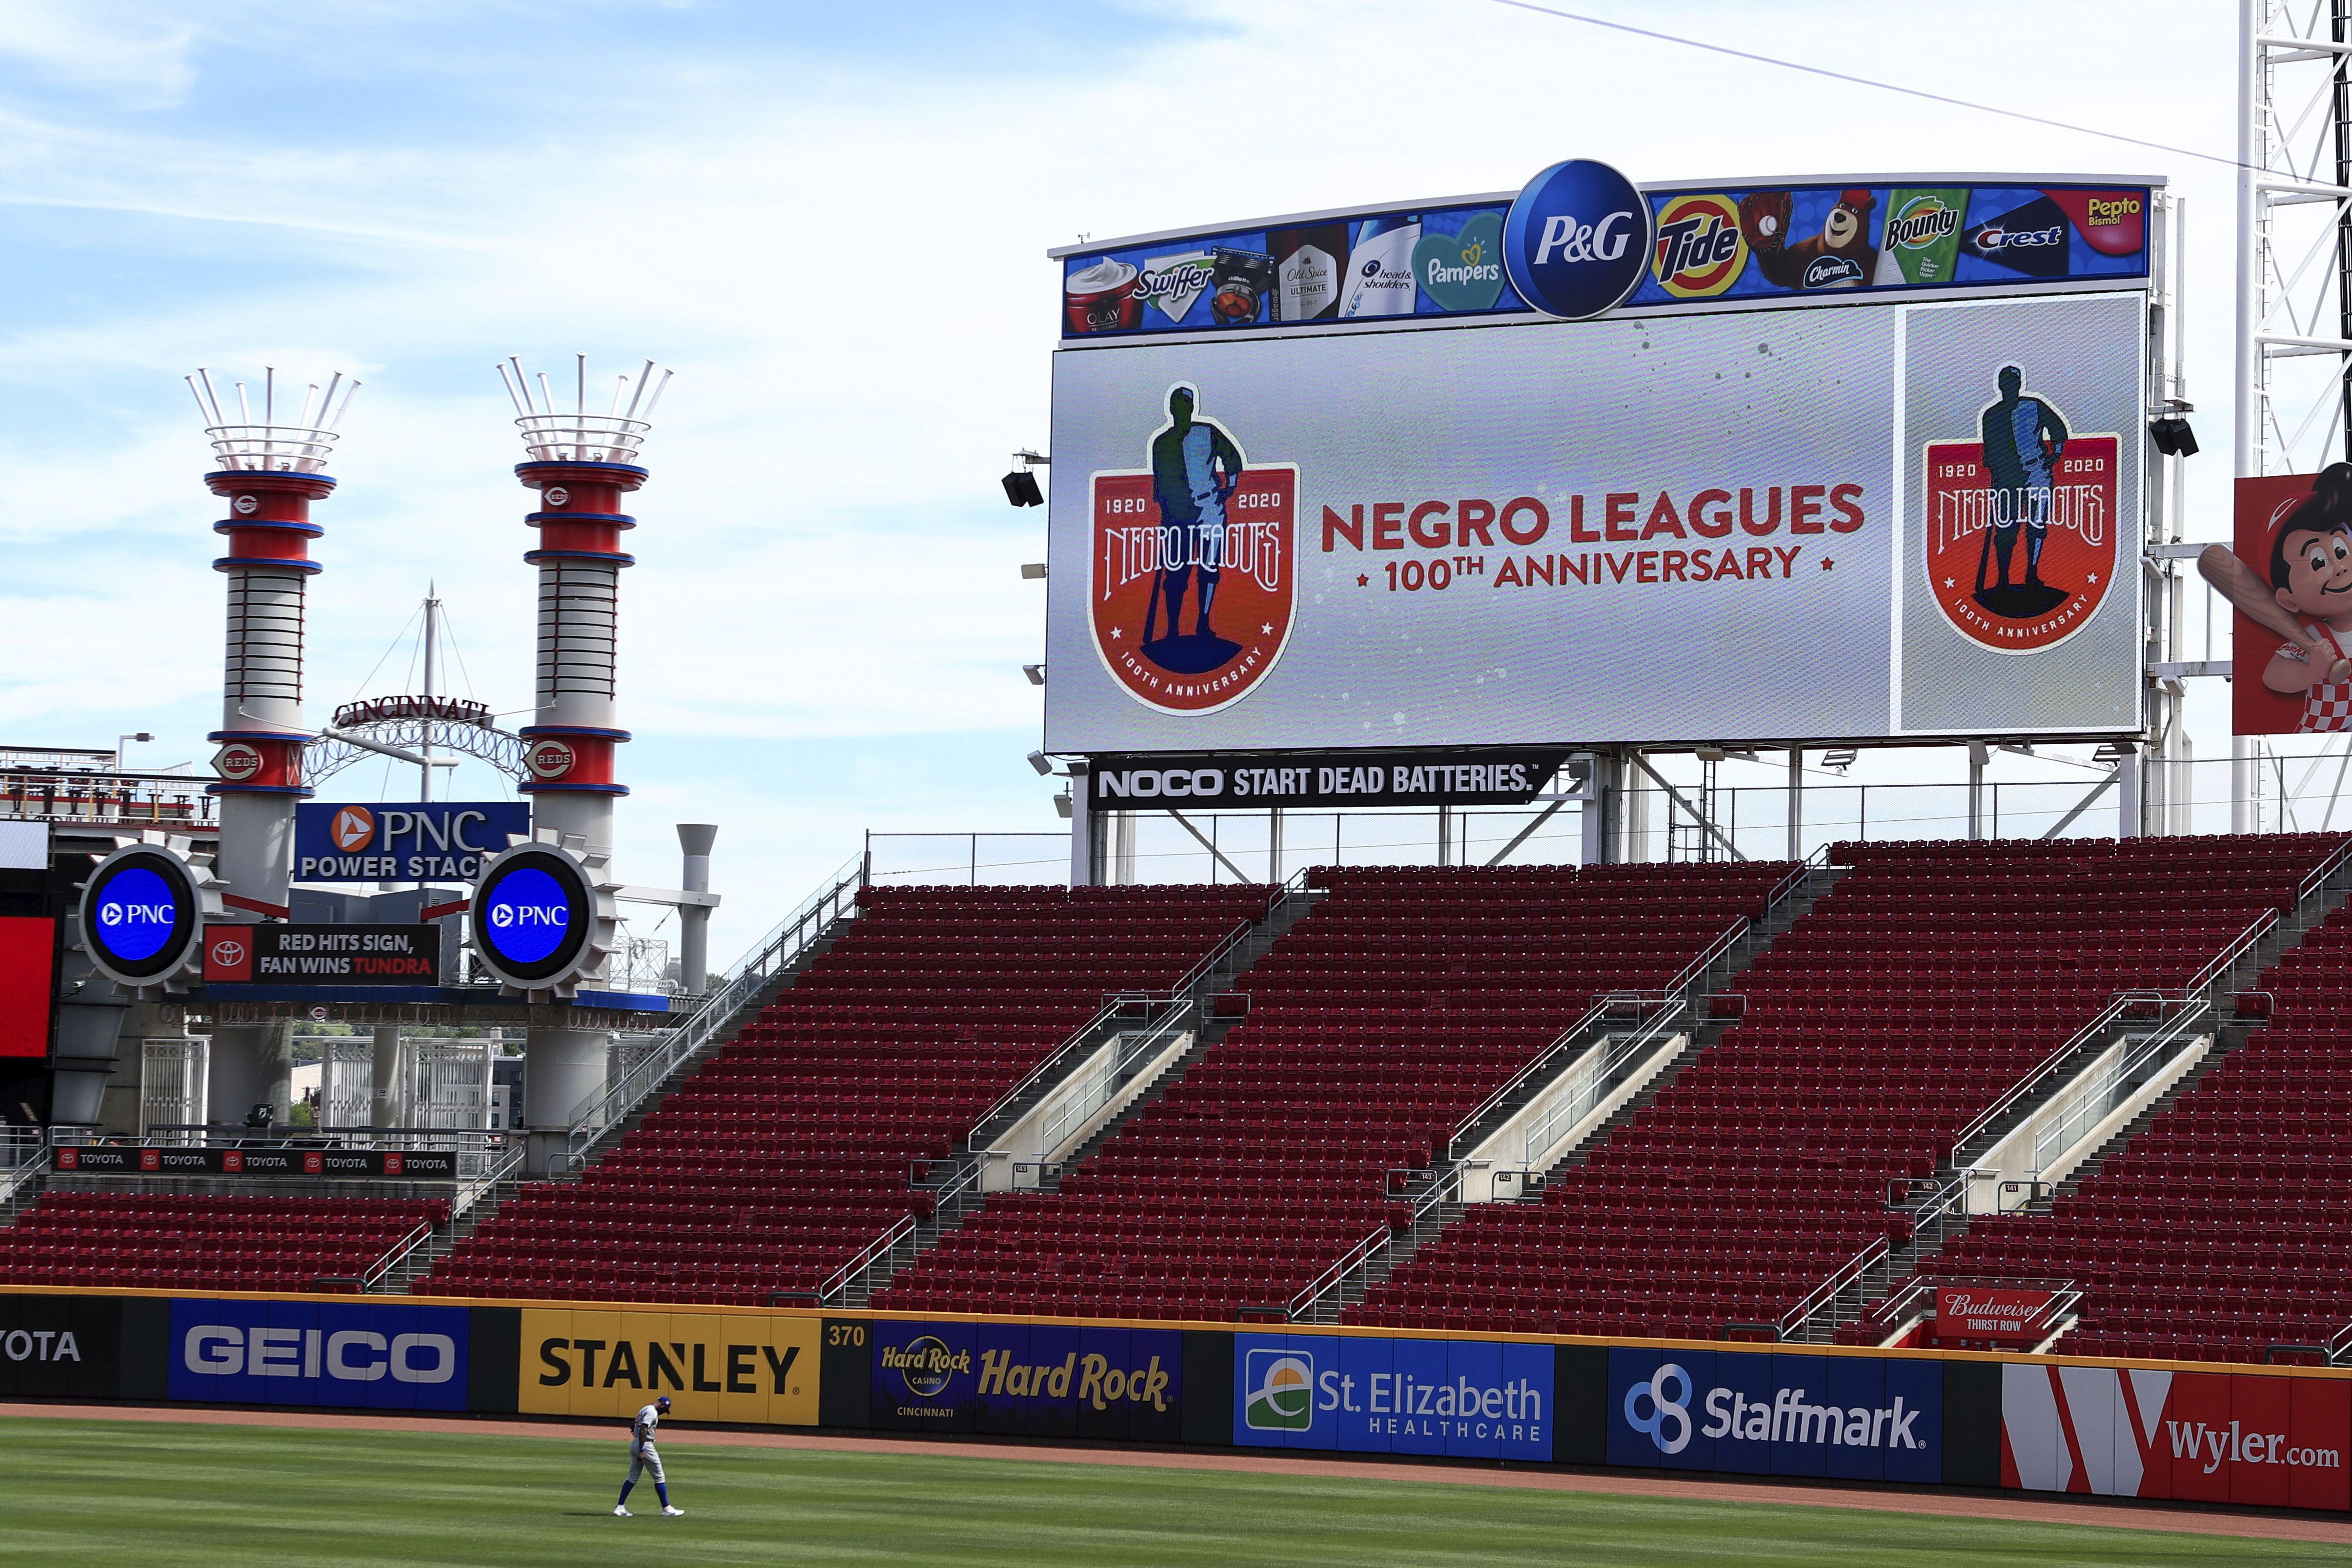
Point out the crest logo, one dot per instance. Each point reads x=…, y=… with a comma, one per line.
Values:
x=1191, y=584
x=2021, y=524
x=1700, y=250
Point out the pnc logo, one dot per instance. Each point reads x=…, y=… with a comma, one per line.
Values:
x=506, y=916
x=115, y=914
x=353, y=828
x=550, y=759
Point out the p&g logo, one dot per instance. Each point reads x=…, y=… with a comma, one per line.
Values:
x=1578, y=239
x=1667, y=1416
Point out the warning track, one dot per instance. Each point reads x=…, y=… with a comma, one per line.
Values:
x=2091, y=1511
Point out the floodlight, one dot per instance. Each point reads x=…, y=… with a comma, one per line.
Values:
x=1021, y=488
x=2173, y=436
x=1041, y=762
x=1032, y=570
x=1035, y=672
x=1837, y=759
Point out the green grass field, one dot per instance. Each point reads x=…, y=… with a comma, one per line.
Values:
x=154, y=1494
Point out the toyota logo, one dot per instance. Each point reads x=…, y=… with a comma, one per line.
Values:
x=229, y=953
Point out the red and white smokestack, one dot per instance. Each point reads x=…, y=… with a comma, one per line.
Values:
x=268, y=474
x=581, y=464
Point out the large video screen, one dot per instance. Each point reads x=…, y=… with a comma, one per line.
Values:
x=1883, y=520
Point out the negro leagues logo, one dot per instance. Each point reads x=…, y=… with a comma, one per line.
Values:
x=1191, y=578
x=2019, y=525
x=1659, y=1407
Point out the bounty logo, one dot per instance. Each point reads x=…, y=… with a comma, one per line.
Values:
x=1923, y=236
x=1281, y=1390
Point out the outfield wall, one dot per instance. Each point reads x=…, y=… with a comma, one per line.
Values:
x=2277, y=1436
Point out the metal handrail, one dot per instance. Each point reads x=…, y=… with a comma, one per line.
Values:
x=867, y=1256
x=2317, y=876
x=1582, y=1104
x=835, y=899
x=2025, y=1086
x=1361, y=1255
x=1596, y=1014
x=2211, y=974
x=2100, y=1099
x=1145, y=1044
x=1825, y=1294
x=1695, y=970
x=375, y=1272
x=2339, y=1344
x=473, y=1191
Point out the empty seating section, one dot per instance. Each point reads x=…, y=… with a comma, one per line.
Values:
x=2225, y=1226
x=1375, y=1027
x=1910, y=997
x=791, y=1150
x=141, y=1240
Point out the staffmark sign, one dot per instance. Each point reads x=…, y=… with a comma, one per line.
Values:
x=1759, y=1413
x=1466, y=776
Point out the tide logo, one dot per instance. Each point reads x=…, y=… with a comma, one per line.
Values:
x=1281, y=1390
x=1700, y=250
x=352, y=827
x=549, y=759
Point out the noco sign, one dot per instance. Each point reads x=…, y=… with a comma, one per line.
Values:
x=143, y=914
x=1577, y=240
x=539, y=918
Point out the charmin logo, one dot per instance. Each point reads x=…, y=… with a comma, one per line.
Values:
x=925, y=1365
x=1281, y=1390
x=550, y=759
x=1668, y=1423
x=1700, y=250
x=1833, y=272
x=353, y=828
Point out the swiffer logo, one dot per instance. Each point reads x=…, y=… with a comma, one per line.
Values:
x=1281, y=1390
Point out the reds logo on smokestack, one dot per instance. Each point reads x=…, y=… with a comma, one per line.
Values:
x=549, y=759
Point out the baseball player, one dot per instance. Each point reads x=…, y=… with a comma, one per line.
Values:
x=643, y=1457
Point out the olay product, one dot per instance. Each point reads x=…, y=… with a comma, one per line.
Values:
x=1102, y=298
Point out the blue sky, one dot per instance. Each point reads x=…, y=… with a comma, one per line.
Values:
x=831, y=220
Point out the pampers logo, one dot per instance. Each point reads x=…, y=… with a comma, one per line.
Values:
x=1281, y=1392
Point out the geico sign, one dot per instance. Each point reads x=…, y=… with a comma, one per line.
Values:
x=1659, y=1408
x=1152, y=784
x=350, y=1355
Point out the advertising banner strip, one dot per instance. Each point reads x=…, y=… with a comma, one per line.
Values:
x=279, y=953
x=435, y=841
x=2003, y=1316
x=1039, y=1380
x=332, y=1165
x=745, y=1367
x=1466, y=1398
x=372, y=1355
x=1184, y=781
x=1767, y=244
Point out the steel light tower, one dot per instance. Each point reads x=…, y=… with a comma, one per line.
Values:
x=269, y=474
x=581, y=464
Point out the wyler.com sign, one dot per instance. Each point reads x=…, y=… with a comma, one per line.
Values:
x=1464, y=1397
x=2268, y=1441
x=436, y=841
x=1858, y=1417
x=1033, y=1379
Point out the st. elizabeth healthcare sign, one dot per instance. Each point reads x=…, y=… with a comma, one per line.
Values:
x=1462, y=1398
